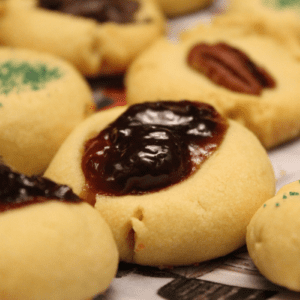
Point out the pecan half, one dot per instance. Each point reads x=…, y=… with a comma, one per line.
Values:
x=229, y=67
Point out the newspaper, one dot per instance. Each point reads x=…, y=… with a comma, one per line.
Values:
x=233, y=277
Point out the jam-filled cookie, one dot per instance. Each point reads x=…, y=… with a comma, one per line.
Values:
x=174, y=8
x=176, y=181
x=273, y=237
x=53, y=245
x=97, y=36
x=247, y=73
x=42, y=98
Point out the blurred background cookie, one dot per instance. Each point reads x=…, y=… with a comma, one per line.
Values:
x=185, y=187
x=98, y=37
x=174, y=8
x=272, y=237
x=42, y=98
x=246, y=72
x=53, y=245
x=264, y=16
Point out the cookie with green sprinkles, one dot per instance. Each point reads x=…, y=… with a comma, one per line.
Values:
x=42, y=98
x=273, y=239
x=271, y=4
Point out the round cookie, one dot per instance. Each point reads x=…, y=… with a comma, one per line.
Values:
x=94, y=48
x=201, y=218
x=264, y=16
x=53, y=245
x=164, y=72
x=273, y=240
x=42, y=98
x=174, y=8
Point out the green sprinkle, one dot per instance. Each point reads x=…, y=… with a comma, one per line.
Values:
x=284, y=3
x=265, y=205
x=281, y=4
x=15, y=76
x=284, y=197
x=277, y=204
x=294, y=194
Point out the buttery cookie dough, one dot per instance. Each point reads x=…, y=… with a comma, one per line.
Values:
x=94, y=48
x=273, y=240
x=264, y=16
x=279, y=5
x=53, y=245
x=174, y=8
x=201, y=218
x=42, y=98
x=164, y=72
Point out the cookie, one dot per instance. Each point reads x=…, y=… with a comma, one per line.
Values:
x=245, y=72
x=159, y=216
x=277, y=5
x=176, y=8
x=272, y=237
x=53, y=245
x=264, y=17
x=96, y=47
x=42, y=98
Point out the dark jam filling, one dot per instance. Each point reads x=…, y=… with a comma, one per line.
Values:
x=151, y=146
x=118, y=11
x=17, y=190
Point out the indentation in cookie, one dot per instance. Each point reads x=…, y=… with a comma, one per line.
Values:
x=151, y=146
x=139, y=214
x=18, y=75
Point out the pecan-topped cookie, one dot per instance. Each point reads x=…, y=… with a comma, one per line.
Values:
x=246, y=73
x=98, y=36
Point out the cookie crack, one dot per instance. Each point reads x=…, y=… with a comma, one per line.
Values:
x=138, y=214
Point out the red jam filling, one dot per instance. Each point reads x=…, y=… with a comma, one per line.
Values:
x=17, y=190
x=151, y=146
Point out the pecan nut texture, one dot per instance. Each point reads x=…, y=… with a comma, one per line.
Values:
x=229, y=67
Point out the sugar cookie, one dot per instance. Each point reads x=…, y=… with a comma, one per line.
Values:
x=264, y=16
x=94, y=48
x=53, y=245
x=273, y=240
x=42, y=98
x=214, y=64
x=277, y=5
x=204, y=215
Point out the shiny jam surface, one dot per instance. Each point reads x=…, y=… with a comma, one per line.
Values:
x=17, y=190
x=118, y=11
x=151, y=146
